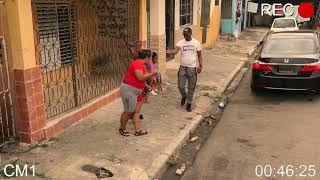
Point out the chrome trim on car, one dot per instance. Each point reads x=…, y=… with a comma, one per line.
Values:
x=287, y=89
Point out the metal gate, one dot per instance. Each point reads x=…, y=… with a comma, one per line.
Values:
x=82, y=47
x=7, y=126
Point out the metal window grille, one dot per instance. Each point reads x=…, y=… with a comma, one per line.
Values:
x=83, y=48
x=55, y=32
x=7, y=123
x=7, y=126
x=186, y=12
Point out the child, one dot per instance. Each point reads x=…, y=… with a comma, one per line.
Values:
x=157, y=81
x=148, y=88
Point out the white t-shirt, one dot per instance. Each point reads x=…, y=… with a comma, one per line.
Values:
x=189, y=50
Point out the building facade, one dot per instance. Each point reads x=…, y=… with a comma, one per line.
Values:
x=168, y=18
x=64, y=59
x=233, y=16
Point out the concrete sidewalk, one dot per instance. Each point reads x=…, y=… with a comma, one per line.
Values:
x=95, y=140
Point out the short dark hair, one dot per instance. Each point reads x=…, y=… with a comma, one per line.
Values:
x=144, y=53
x=187, y=29
x=154, y=54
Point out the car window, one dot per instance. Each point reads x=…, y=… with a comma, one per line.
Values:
x=284, y=23
x=289, y=46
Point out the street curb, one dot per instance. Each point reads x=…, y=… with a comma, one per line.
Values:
x=261, y=39
x=159, y=165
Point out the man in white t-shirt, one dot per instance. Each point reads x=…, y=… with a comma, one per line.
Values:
x=190, y=49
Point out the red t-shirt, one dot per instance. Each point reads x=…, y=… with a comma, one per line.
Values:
x=131, y=79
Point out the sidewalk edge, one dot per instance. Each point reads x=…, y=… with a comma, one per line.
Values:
x=159, y=166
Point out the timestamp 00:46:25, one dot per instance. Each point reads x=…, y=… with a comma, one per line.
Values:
x=286, y=170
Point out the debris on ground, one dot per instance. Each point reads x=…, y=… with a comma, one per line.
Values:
x=198, y=147
x=181, y=170
x=209, y=123
x=221, y=105
x=171, y=162
x=194, y=139
x=104, y=173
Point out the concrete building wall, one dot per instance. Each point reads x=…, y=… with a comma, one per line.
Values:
x=179, y=29
x=27, y=90
x=158, y=36
x=157, y=31
x=214, y=26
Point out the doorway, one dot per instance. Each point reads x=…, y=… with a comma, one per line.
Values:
x=205, y=18
x=169, y=14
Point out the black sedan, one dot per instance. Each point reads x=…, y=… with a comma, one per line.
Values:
x=288, y=61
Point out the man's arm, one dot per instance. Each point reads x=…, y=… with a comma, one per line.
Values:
x=173, y=51
x=199, y=58
x=200, y=61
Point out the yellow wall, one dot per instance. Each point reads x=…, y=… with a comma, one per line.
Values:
x=213, y=28
x=143, y=21
x=19, y=18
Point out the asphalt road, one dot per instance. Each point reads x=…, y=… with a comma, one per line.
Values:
x=272, y=128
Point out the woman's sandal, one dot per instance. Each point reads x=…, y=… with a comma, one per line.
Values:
x=123, y=132
x=140, y=133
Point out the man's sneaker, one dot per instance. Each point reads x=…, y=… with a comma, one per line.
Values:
x=153, y=93
x=183, y=101
x=189, y=108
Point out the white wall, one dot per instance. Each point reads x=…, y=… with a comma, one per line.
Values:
x=157, y=17
x=177, y=15
x=196, y=11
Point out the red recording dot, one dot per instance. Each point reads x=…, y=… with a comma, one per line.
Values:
x=306, y=10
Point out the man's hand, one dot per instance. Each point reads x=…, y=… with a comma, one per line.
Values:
x=172, y=51
x=169, y=51
x=199, y=69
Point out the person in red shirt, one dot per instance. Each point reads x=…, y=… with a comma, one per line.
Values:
x=131, y=92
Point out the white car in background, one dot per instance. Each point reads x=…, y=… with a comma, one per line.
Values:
x=284, y=24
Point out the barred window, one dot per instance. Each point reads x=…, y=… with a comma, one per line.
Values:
x=186, y=12
x=217, y=2
x=56, y=35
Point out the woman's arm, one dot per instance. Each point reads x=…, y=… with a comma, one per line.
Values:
x=143, y=77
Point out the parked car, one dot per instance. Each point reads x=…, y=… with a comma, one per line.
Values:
x=288, y=61
x=284, y=24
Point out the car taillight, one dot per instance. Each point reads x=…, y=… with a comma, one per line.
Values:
x=258, y=66
x=312, y=68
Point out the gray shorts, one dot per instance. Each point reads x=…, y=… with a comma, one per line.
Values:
x=129, y=96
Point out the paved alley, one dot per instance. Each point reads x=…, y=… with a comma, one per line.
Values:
x=270, y=128
x=95, y=141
